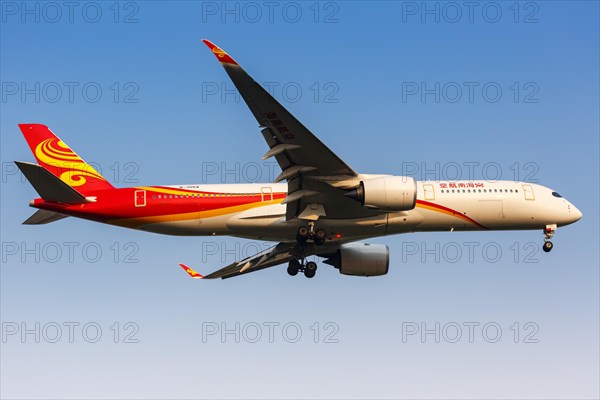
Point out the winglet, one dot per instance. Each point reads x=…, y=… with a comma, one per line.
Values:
x=221, y=55
x=191, y=272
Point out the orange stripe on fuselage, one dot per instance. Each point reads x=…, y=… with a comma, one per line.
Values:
x=136, y=221
x=445, y=210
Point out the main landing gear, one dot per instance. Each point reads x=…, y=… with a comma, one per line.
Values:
x=549, y=231
x=309, y=269
x=303, y=235
x=318, y=235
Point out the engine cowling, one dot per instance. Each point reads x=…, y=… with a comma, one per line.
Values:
x=361, y=259
x=388, y=193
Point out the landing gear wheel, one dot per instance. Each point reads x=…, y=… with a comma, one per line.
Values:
x=293, y=267
x=310, y=269
x=549, y=231
x=547, y=246
x=302, y=234
x=320, y=236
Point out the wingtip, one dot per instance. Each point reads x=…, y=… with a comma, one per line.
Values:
x=191, y=272
x=221, y=54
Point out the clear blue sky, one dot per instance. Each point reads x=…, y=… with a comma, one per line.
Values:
x=390, y=87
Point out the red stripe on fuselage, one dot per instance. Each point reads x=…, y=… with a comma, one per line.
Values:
x=117, y=204
x=448, y=210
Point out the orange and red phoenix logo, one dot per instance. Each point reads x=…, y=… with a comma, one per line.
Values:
x=73, y=170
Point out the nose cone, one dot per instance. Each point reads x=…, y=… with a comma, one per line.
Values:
x=575, y=214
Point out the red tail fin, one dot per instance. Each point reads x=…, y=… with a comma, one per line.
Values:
x=54, y=155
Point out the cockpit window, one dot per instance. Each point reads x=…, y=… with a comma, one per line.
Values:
x=556, y=194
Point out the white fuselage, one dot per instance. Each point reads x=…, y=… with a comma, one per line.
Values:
x=441, y=206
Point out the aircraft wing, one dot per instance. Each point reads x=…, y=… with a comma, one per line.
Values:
x=276, y=255
x=316, y=176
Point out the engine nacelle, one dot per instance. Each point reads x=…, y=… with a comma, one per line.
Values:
x=361, y=259
x=388, y=193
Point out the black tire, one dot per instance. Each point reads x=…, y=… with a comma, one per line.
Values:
x=293, y=268
x=302, y=234
x=320, y=236
x=547, y=247
x=310, y=269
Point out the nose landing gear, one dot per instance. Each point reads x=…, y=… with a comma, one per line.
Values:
x=547, y=246
x=309, y=269
x=549, y=231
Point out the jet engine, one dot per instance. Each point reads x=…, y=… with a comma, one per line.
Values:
x=387, y=193
x=361, y=259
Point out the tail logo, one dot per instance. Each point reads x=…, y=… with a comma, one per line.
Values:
x=54, y=152
x=220, y=53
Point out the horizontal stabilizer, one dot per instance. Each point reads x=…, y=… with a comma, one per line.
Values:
x=43, y=217
x=48, y=186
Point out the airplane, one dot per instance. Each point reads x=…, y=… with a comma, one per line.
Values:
x=324, y=208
